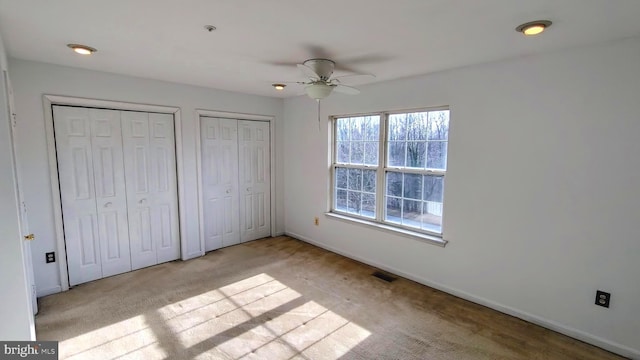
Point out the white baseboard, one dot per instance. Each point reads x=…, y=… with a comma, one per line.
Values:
x=534, y=319
x=49, y=291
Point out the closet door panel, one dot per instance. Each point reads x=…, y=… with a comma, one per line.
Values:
x=77, y=193
x=219, y=146
x=254, y=179
x=110, y=191
x=137, y=162
x=164, y=200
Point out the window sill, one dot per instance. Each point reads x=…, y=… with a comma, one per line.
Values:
x=430, y=239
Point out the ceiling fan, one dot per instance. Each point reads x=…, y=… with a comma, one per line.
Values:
x=320, y=84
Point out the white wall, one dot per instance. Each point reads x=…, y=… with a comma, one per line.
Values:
x=32, y=79
x=541, y=197
x=15, y=310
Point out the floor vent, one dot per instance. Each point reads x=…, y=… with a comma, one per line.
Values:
x=383, y=276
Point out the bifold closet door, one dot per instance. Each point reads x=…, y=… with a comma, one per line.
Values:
x=150, y=165
x=254, y=179
x=93, y=194
x=219, y=146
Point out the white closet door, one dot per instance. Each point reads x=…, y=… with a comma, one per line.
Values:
x=255, y=180
x=219, y=146
x=111, y=196
x=151, y=191
x=135, y=137
x=95, y=237
x=164, y=186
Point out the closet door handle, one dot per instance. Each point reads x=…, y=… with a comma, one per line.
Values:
x=228, y=191
x=142, y=201
x=108, y=205
x=248, y=189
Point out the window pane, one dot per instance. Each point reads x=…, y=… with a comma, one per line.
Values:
x=343, y=152
x=416, y=154
x=341, y=200
x=357, y=127
x=371, y=153
x=368, y=205
x=417, y=128
x=432, y=206
x=437, y=155
x=342, y=129
x=357, y=153
x=393, y=210
x=372, y=128
x=432, y=216
x=396, y=153
x=394, y=183
x=369, y=181
x=341, y=178
x=411, y=213
x=439, y=125
x=354, y=200
x=433, y=188
x=355, y=179
x=413, y=186
x=357, y=140
x=397, y=127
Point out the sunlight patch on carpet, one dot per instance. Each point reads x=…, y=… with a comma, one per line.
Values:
x=260, y=317
x=254, y=318
x=128, y=337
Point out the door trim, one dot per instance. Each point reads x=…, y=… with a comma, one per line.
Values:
x=236, y=116
x=48, y=102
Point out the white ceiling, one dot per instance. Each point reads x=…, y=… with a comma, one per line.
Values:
x=165, y=39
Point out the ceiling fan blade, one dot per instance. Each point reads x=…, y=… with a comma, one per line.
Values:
x=281, y=63
x=365, y=59
x=353, y=77
x=345, y=68
x=346, y=89
x=294, y=82
x=308, y=72
x=317, y=52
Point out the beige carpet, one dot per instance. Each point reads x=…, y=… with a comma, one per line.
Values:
x=283, y=299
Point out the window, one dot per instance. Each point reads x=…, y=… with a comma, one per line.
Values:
x=389, y=168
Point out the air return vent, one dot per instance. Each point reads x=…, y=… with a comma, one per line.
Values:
x=384, y=277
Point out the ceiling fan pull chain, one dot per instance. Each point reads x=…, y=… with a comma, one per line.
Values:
x=318, y=115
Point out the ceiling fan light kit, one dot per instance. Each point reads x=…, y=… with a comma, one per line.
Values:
x=318, y=91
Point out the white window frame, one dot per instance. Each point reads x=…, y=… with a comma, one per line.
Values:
x=381, y=169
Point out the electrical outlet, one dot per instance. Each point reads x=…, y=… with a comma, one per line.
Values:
x=603, y=298
x=316, y=221
x=51, y=257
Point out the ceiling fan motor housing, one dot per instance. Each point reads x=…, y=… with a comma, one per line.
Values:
x=322, y=67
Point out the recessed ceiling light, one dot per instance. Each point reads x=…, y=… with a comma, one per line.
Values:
x=533, y=27
x=82, y=49
x=279, y=87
